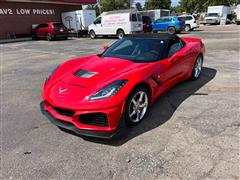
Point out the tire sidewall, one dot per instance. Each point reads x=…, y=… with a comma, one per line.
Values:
x=120, y=34
x=187, y=28
x=193, y=71
x=49, y=37
x=92, y=34
x=128, y=121
x=171, y=30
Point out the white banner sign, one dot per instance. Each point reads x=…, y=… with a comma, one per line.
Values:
x=8, y=11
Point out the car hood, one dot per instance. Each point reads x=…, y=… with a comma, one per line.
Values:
x=96, y=71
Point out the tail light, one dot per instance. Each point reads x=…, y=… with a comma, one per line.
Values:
x=130, y=17
x=194, y=21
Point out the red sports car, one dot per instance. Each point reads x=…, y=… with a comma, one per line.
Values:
x=99, y=94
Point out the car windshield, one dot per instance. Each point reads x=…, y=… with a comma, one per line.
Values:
x=137, y=49
x=213, y=14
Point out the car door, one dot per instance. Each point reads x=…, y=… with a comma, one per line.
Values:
x=170, y=69
x=157, y=25
x=98, y=26
x=41, y=30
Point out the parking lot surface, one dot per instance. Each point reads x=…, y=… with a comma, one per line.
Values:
x=191, y=132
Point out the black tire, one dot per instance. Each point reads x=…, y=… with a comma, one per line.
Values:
x=65, y=38
x=195, y=75
x=92, y=34
x=49, y=37
x=129, y=106
x=155, y=31
x=34, y=37
x=120, y=34
x=187, y=28
x=171, y=30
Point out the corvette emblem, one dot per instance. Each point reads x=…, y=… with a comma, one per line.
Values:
x=60, y=90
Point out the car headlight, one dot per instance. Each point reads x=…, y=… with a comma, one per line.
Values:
x=109, y=90
x=52, y=72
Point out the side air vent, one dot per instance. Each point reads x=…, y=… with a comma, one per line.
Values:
x=84, y=74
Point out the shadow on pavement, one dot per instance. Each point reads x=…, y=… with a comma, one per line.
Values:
x=161, y=112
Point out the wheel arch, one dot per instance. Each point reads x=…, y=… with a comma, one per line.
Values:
x=144, y=85
x=120, y=29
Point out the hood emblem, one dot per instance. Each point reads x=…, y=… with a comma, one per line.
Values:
x=61, y=90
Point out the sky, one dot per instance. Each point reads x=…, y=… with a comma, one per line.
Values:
x=174, y=2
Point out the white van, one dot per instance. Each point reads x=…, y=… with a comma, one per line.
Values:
x=117, y=23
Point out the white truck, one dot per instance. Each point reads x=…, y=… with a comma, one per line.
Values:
x=118, y=23
x=155, y=14
x=215, y=14
x=238, y=15
x=78, y=21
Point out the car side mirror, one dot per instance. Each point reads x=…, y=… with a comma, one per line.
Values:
x=105, y=48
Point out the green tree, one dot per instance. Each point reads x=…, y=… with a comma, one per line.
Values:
x=110, y=5
x=138, y=6
x=157, y=4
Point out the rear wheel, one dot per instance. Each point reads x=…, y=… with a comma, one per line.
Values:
x=171, y=30
x=49, y=36
x=197, y=69
x=120, y=34
x=136, y=106
x=92, y=34
x=187, y=28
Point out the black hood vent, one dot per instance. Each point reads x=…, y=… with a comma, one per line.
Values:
x=85, y=74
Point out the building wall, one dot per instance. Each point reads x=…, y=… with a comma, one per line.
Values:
x=17, y=18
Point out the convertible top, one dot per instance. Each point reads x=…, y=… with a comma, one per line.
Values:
x=160, y=36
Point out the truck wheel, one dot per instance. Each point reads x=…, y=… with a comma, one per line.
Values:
x=49, y=36
x=92, y=34
x=171, y=30
x=187, y=28
x=120, y=34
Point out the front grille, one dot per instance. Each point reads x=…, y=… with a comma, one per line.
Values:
x=94, y=119
x=64, y=112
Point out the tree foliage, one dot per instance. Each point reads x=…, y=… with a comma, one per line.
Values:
x=157, y=4
x=139, y=6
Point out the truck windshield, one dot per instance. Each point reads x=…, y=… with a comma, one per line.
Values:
x=137, y=49
x=213, y=14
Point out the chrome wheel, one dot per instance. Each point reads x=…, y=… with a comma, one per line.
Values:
x=198, y=67
x=138, y=106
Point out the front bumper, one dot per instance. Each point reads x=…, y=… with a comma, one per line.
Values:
x=83, y=132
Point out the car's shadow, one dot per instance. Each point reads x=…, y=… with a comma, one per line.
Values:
x=163, y=109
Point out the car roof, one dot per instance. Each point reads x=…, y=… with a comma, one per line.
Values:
x=160, y=36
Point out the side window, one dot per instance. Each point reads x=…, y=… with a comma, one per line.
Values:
x=174, y=47
x=98, y=20
x=188, y=18
x=139, y=17
x=159, y=20
x=42, y=26
x=134, y=17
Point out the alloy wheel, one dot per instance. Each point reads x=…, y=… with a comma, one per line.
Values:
x=138, y=106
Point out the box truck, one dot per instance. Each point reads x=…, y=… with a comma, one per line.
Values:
x=215, y=14
x=155, y=13
x=118, y=23
x=79, y=20
x=238, y=15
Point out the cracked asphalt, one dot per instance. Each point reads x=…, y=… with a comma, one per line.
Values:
x=191, y=132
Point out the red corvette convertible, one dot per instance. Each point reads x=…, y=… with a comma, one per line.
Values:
x=99, y=94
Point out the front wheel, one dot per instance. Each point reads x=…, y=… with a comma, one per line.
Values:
x=197, y=69
x=92, y=34
x=136, y=106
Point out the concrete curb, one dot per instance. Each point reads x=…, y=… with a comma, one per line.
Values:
x=15, y=40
